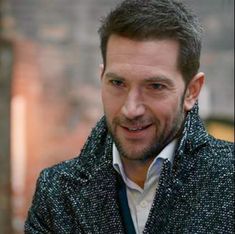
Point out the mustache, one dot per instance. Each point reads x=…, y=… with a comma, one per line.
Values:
x=138, y=121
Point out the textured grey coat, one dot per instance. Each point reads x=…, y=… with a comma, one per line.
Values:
x=196, y=196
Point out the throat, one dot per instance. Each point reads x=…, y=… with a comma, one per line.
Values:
x=136, y=170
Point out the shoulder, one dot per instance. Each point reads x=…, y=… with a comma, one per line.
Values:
x=54, y=183
x=221, y=144
x=217, y=156
x=57, y=180
x=221, y=149
x=61, y=171
x=50, y=198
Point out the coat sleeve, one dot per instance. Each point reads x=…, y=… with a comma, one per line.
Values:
x=39, y=218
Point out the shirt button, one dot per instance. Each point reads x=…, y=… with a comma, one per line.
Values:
x=143, y=204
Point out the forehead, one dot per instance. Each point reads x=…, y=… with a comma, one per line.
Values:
x=153, y=55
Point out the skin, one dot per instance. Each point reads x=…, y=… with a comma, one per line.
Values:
x=145, y=99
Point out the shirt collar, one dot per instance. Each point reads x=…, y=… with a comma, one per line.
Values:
x=117, y=162
x=166, y=153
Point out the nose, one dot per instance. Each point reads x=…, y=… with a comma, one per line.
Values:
x=133, y=106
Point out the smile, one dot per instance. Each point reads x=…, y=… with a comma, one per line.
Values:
x=136, y=133
x=136, y=129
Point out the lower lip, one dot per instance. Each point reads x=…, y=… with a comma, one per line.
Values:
x=136, y=135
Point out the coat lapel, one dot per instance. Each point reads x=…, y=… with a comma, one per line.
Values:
x=95, y=203
x=174, y=180
x=92, y=189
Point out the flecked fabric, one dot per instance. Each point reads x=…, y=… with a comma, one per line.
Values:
x=195, y=196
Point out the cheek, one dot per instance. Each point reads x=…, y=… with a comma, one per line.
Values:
x=110, y=105
x=166, y=112
x=106, y=98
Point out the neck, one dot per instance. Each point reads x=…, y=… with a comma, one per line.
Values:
x=136, y=170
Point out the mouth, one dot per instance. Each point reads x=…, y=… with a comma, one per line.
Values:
x=139, y=132
x=136, y=128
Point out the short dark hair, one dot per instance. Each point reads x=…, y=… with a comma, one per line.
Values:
x=156, y=19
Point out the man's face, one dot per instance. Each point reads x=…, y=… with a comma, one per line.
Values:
x=143, y=95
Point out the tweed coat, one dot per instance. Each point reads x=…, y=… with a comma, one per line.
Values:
x=195, y=196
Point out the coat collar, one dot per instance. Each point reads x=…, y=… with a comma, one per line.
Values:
x=92, y=185
x=193, y=134
x=95, y=156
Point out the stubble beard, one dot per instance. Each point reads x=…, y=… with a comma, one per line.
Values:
x=157, y=144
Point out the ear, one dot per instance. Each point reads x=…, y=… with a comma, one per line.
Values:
x=193, y=91
x=101, y=71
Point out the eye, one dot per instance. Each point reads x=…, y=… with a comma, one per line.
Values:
x=117, y=83
x=157, y=86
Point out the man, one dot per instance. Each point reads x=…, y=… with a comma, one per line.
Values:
x=148, y=166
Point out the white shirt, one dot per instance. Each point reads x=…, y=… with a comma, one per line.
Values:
x=140, y=200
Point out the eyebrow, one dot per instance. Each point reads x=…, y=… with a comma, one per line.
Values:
x=160, y=78
x=113, y=75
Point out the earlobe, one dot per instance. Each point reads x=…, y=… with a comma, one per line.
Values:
x=193, y=91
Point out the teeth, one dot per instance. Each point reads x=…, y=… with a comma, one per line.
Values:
x=134, y=129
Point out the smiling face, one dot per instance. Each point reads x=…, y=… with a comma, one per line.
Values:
x=143, y=95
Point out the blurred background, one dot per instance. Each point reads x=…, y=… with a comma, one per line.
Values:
x=49, y=87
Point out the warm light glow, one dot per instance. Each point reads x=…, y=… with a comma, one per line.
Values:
x=18, y=143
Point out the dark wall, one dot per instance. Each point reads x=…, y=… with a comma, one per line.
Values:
x=5, y=188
